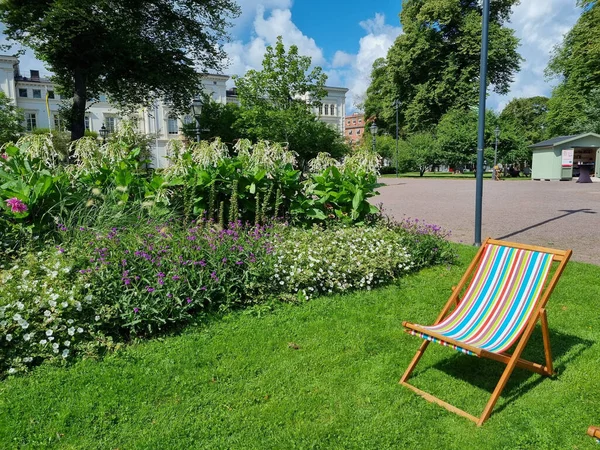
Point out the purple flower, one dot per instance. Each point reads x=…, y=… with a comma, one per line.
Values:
x=16, y=205
x=189, y=300
x=175, y=278
x=203, y=288
x=149, y=289
x=160, y=275
x=224, y=260
x=239, y=263
x=136, y=310
x=214, y=276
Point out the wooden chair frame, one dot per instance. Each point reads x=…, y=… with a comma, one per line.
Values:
x=511, y=361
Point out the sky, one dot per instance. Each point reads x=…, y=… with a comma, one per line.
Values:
x=345, y=37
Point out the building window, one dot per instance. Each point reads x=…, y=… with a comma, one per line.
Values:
x=30, y=121
x=333, y=110
x=348, y=122
x=22, y=92
x=51, y=95
x=350, y=133
x=57, y=122
x=354, y=122
x=320, y=109
x=326, y=110
x=172, y=125
x=111, y=124
x=358, y=131
x=87, y=123
x=187, y=119
x=359, y=120
x=37, y=93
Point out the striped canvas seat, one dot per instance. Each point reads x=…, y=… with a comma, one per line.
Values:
x=499, y=301
x=495, y=306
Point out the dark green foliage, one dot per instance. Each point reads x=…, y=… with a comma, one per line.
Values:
x=134, y=51
x=433, y=66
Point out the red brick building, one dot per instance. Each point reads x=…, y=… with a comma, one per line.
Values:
x=354, y=127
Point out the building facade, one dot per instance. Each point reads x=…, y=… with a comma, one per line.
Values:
x=354, y=127
x=40, y=103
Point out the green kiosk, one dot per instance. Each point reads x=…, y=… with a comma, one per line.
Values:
x=567, y=157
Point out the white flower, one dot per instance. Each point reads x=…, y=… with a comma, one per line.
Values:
x=97, y=318
x=27, y=336
x=80, y=330
x=64, y=304
x=20, y=306
x=88, y=298
x=49, y=332
x=26, y=272
x=27, y=359
x=3, y=323
x=67, y=343
x=54, y=296
x=71, y=331
x=9, y=337
x=17, y=317
x=24, y=324
x=51, y=338
x=52, y=303
x=43, y=342
x=70, y=321
x=47, y=313
x=65, y=353
x=78, y=306
x=12, y=370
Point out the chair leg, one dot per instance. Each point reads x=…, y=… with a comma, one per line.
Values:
x=496, y=394
x=546, y=337
x=414, y=361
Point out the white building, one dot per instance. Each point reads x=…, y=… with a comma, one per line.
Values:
x=30, y=94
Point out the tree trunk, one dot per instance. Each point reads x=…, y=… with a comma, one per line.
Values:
x=79, y=102
x=422, y=171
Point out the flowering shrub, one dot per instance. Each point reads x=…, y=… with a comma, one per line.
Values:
x=43, y=315
x=317, y=261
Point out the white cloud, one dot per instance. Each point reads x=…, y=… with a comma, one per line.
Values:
x=342, y=59
x=380, y=37
x=540, y=25
x=243, y=56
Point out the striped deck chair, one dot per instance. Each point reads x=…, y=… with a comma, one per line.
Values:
x=496, y=305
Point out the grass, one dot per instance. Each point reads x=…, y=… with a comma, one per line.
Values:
x=453, y=176
x=323, y=374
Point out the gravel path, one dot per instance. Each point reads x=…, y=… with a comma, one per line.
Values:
x=554, y=214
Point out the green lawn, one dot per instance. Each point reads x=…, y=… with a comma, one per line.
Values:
x=457, y=176
x=323, y=374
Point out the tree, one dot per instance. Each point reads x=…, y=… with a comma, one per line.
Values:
x=276, y=104
x=283, y=82
x=423, y=150
x=216, y=120
x=434, y=65
x=577, y=60
x=574, y=107
x=528, y=116
x=11, y=119
x=135, y=51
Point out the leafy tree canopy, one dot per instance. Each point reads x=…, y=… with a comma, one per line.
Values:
x=132, y=50
x=434, y=65
x=283, y=81
x=528, y=116
x=11, y=119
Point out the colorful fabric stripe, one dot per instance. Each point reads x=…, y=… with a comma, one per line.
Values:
x=444, y=343
x=500, y=299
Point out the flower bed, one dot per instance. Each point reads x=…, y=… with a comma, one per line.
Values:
x=98, y=289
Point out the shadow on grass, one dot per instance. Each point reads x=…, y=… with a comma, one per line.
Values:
x=485, y=374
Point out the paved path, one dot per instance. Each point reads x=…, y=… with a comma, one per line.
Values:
x=559, y=214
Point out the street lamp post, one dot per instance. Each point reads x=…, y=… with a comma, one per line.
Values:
x=373, y=129
x=197, y=110
x=497, y=132
x=396, y=106
x=104, y=133
x=481, y=125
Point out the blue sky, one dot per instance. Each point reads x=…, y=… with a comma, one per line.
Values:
x=345, y=37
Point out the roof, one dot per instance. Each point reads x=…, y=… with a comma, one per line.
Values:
x=561, y=140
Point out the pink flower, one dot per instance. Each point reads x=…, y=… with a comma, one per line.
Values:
x=16, y=205
x=4, y=156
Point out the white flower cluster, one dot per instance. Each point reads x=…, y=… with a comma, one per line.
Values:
x=39, y=320
x=264, y=155
x=325, y=261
